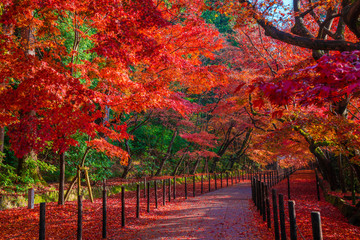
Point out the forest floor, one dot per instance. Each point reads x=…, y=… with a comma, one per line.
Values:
x=303, y=191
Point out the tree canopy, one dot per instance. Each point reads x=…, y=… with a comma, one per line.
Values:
x=178, y=86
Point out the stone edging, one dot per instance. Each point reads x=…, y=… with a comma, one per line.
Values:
x=349, y=211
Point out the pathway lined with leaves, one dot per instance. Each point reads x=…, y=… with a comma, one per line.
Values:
x=226, y=213
x=221, y=214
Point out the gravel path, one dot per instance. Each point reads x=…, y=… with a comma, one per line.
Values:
x=221, y=214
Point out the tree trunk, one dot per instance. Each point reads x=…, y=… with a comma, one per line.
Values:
x=7, y=30
x=206, y=167
x=178, y=165
x=20, y=166
x=61, y=179
x=326, y=169
x=167, y=155
x=341, y=175
x=28, y=38
x=195, y=166
x=357, y=171
x=127, y=169
x=351, y=14
x=34, y=171
x=129, y=166
x=213, y=165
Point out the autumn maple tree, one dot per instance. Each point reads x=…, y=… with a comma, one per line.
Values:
x=312, y=104
x=79, y=67
x=165, y=87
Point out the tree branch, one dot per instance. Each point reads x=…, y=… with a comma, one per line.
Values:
x=305, y=42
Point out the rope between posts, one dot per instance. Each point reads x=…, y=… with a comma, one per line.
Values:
x=297, y=228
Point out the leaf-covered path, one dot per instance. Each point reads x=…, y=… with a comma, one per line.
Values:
x=221, y=214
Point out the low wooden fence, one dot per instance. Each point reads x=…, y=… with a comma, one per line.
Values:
x=260, y=185
x=149, y=192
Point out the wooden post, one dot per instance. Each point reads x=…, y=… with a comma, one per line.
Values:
x=215, y=181
x=169, y=189
x=282, y=217
x=275, y=178
x=186, y=191
x=263, y=202
x=194, y=185
x=156, y=196
x=265, y=197
x=261, y=184
x=123, y=206
x=148, y=197
x=42, y=221
x=267, y=202
x=268, y=213
x=145, y=184
x=61, y=198
x=221, y=180
x=164, y=192
x=174, y=188
x=253, y=190
x=31, y=198
x=260, y=176
x=209, y=177
x=104, y=219
x=316, y=226
x=275, y=214
x=137, y=201
x=256, y=193
x=227, y=179
x=79, y=222
x=202, y=184
x=292, y=216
